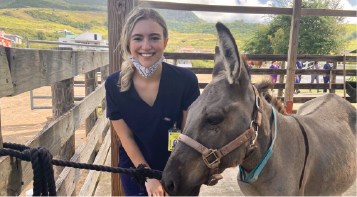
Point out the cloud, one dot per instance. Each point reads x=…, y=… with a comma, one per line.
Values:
x=347, y=6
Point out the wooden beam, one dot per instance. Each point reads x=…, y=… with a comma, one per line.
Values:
x=305, y=99
x=260, y=57
x=267, y=71
x=219, y=8
x=281, y=78
x=6, y=87
x=92, y=177
x=297, y=86
x=104, y=73
x=32, y=69
x=292, y=54
x=118, y=10
x=328, y=12
x=248, y=9
x=333, y=77
x=1, y=142
x=91, y=82
x=69, y=177
x=17, y=174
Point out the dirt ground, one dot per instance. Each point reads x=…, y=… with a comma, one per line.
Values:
x=19, y=123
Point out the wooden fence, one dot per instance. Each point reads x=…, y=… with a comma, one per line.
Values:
x=22, y=70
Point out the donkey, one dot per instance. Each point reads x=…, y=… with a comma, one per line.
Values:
x=232, y=123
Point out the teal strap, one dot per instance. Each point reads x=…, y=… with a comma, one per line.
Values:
x=253, y=175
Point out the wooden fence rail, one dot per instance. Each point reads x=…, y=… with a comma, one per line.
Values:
x=31, y=69
x=17, y=174
x=267, y=71
x=249, y=9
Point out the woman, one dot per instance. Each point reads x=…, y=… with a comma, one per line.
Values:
x=146, y=98
x=274, y=65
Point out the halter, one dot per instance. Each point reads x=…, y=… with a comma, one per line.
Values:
x=212, y=157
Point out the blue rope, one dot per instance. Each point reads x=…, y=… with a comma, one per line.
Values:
x=253, y=175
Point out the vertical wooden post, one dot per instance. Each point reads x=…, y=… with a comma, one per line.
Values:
x=91, y=82
x=117, y=13
x=104, y=72
x=344, y=77
x=62, y=101
x=333, y=77
x=281, y=78
x=292, y=55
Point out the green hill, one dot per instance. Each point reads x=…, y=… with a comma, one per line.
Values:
x=54, y=4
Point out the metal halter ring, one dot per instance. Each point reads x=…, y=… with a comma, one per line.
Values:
x=217, y=160
x=256, y=133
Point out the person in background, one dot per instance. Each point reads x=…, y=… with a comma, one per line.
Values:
x=327, y=66
x=274, y=65
x=250, y=66
x=299, y=65
x=315, y=77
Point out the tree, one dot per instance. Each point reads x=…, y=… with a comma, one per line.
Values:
x=317, y=34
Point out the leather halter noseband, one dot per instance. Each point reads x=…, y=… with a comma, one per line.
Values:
x=214, y=176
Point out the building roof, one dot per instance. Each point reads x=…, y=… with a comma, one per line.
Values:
x=71, y=36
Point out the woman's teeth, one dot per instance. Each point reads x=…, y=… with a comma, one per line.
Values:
x=147, y=55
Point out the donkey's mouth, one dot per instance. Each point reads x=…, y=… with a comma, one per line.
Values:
x=195, y=191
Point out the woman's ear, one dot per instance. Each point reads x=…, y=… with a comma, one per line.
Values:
x=165, y=42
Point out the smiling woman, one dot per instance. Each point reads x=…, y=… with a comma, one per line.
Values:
x=147, y=100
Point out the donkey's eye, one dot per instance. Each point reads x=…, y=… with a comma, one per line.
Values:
x=215, y=120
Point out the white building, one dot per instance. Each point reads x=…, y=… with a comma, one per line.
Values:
x=85, y=38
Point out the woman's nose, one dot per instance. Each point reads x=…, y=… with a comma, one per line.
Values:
x=146, y=45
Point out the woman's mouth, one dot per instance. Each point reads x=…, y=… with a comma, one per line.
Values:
x=146, y=54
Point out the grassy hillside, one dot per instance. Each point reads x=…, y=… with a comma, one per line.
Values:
x=54, y=4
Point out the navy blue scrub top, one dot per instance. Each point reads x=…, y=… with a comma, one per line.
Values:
x=178, y=89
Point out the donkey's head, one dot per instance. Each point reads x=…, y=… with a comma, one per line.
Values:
x=223, y=112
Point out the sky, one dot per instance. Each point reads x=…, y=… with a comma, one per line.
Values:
x=252, y=18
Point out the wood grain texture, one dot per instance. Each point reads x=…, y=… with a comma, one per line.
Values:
x=69, y=177
x=118, y=10
x=249, y=9
x=91, y=82
x=333, y=77
x=297, y=85
x=267, y=71
x=260, y=57
x=15, y=175
x=6, y=87
x=32, y=69
x=281, y=78
x=1, y=142
x=305, y=99
x=92, y=177
x=292, y=53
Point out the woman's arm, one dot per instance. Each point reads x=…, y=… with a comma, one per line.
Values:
x=153, y=186
x=184, y=117
x=127, y=139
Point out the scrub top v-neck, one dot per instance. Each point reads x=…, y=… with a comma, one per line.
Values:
x=178, y=89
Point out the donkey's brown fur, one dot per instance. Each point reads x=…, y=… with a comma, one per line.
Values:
x=314, y=151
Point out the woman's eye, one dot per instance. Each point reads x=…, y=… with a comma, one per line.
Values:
x=155, y=38
x=137, y=39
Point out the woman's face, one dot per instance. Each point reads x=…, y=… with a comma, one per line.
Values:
x=147, y=42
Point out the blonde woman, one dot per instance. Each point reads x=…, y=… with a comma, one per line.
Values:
x=146, y=98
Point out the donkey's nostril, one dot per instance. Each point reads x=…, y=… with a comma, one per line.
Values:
x=171, y=186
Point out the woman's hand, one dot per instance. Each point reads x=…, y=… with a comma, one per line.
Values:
x=154, y=187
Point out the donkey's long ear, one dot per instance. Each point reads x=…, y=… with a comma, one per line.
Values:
x=218, y=63
x=229, y=51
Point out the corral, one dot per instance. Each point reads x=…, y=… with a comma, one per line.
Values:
x=22, y=70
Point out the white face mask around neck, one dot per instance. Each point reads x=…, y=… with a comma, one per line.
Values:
x=144, y=71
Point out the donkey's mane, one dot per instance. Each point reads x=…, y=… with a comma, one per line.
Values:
x=263, y=88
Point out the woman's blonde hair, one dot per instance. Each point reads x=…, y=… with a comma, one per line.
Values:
x=127, y=70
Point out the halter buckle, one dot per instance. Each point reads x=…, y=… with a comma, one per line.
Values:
x=212, y=152
x=257, y=103
x=256, y=134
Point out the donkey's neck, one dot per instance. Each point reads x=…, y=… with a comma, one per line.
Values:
x=264, y=139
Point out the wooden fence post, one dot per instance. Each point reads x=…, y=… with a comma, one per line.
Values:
x=292, y=55
x=117, y=12
x=91, y=82
x=62, y=101
x=333, y=77
x=104, y=72
x=281, y=79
